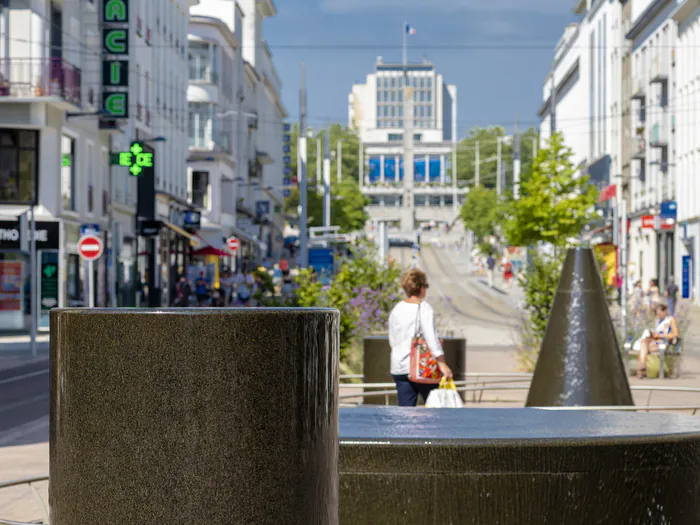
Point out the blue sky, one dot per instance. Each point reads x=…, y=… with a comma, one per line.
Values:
x=497, y=52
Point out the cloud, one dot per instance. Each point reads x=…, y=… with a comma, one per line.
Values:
x=553, y=7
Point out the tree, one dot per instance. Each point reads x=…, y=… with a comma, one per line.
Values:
x=555, y=202
x=348, y=203
x=482, y=212
x=488, y=153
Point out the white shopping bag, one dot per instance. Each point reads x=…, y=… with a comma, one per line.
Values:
x=637, y=346
x=445, y=396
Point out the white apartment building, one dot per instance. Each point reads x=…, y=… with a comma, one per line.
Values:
x=216, y=69
x=148, y=267
x=45, y=156
x=586, y=73
x=687, y=143
x=652, y=38
x=376, y=111
x=57, y=140
x=258, y=121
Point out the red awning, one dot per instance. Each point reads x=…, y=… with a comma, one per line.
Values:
x=210, y=250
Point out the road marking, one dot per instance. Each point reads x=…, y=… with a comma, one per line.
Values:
x=24, y=402
x=23, y=376
x=11, y=436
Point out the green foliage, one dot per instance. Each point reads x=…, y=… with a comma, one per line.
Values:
x=482, y=212
x=347, y=206
x=555, y=203
x=488, y=149
x=364, y=291
x=540, y=287
x=486, y=248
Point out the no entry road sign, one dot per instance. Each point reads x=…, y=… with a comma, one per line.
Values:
x=90, y=247
x=233, y=244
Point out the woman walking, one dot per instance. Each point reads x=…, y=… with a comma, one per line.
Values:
x=408, y=318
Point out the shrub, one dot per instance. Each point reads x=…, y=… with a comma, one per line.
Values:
x=364, y=291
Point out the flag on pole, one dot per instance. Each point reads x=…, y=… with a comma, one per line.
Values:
x=410, y=30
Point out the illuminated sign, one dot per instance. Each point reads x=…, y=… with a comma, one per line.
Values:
x=115, y=63
x=65, y=160
x=136, y=159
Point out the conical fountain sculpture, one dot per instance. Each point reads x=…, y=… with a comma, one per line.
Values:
x=579, y=362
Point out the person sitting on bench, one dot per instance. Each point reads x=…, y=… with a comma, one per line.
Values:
x=666, y=331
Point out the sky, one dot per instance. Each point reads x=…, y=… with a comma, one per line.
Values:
x=497, y=52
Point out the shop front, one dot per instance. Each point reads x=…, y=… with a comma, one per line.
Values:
x=175, y=244
x=15, y=271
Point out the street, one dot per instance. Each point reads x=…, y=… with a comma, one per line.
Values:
x=464, y=305
x=24, y=395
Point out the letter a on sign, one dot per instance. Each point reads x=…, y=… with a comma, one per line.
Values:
x=116, y=11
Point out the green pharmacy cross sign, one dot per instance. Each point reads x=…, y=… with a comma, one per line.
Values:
x=136, y=159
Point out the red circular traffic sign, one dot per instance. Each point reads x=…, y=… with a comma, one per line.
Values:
x=233, y=244
x=90, y=247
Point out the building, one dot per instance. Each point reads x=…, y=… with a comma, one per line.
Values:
x=258, y=117
x=687, y=143
x=48, y=155
x=586, y=81
x=652, y=38
x=376, y=110
x=63, y=126
x=216, y=69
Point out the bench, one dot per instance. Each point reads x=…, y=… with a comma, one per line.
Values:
x=670, y=353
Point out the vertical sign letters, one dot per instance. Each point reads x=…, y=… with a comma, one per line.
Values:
x=115, y=58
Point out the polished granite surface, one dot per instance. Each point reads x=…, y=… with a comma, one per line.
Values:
x=579, y=363
x=517, y=467
x=197, y=416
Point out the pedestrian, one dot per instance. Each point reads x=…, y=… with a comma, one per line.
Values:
x=666, y=331
x=407, y=319
x=653, y=295
x=244, y=289
x=183, y=292
x=201, y=288
x=491, y=265
x=507, y=272
x=227, y=281
x=284, y=266
x=671, y=295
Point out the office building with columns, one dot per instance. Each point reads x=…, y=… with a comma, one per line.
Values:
x=376, y=111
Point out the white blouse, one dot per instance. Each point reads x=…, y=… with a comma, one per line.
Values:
x=402, y=329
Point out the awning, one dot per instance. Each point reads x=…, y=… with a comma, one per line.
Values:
x=263, y=157
x=210, y=250
x=193, y=240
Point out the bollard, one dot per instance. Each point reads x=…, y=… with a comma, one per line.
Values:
x=198, y=416
x=579, y=362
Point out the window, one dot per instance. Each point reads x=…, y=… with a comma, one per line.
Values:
x=202, y=60
x=200, y=189
x=201, y=131
x=68, y=171
x=18, y=165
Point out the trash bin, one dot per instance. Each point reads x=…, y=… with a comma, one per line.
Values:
x=377, y=363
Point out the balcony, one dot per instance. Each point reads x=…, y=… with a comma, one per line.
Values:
x=39, y=78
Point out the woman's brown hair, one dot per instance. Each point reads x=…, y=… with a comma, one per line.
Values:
x=414, y=280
